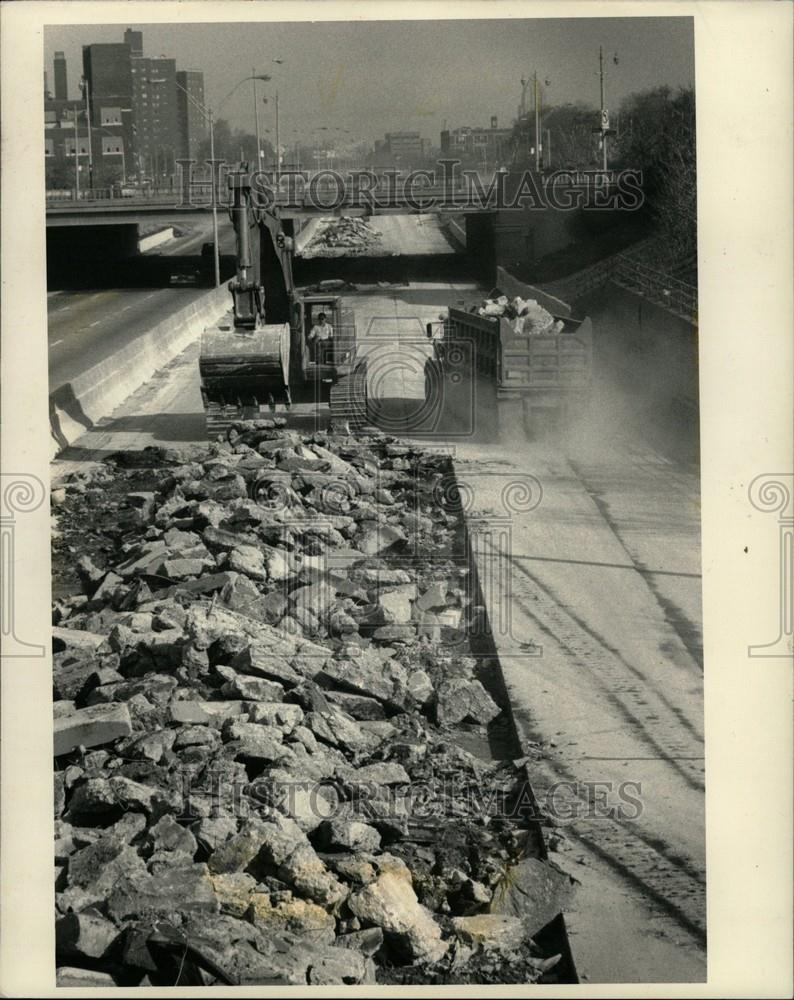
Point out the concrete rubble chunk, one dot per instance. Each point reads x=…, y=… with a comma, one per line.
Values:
x=71, y=638
x=306, y=872
x=368, y=941
x=234, y=891
x=283, y=715
x=255, y=741
x=235, y=853
x=151, y=746
x=434, y=597
x=98, y=866
x=91, y=727
x=398, y=602
x=491, y=930
x=391, y=904
x=384, y=773
x=197, y=713
x=337, y=967
x=180, y=889
x=85, y=935
x=296, y=916
x=359, y=677
x=349, y=835
x=357, y=706
x=460, y=699
x=168, y=835
x=377, y=537
x=336, y=728
x=182, y=569
x=534, y=892
x=262, y=662
x=248, y=688
x=248, y=559
x=195, y=736
x=70, y=977
x=212, y=831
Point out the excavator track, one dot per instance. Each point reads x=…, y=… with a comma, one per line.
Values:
x=220, y=418
x=348, y=400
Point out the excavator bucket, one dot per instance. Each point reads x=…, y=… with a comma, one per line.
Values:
x=242, y=369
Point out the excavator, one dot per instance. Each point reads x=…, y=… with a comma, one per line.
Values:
x=260, y=353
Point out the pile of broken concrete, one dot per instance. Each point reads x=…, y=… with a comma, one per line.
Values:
x=260, y=676
x=347, y=235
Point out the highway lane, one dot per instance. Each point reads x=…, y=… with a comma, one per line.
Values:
x=85, y=327
x=195, y=236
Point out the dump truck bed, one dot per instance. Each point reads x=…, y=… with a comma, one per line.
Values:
x=540, y=366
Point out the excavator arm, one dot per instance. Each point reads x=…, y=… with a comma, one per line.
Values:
x=245, y=359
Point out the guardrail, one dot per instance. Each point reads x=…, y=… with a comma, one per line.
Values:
x=60, y=197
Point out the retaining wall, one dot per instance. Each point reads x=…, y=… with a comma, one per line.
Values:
x=155, y=239
x=77, y=406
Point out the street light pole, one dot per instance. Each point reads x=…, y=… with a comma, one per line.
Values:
x=537, y=124
x=88, y=123
x=207, y=112
x=216, y=255
x=278, y=147
x=76, y=161
x=256, y=119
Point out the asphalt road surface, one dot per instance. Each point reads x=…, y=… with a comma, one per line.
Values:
x=194, y=236
x=602, y=656
x=84, y=327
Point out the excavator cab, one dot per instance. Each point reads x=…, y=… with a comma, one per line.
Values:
x=321, y=359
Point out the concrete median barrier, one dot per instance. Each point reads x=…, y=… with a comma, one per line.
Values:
x=77, y=405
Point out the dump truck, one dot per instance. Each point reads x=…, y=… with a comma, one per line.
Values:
x=259, y=354
x=549, y=373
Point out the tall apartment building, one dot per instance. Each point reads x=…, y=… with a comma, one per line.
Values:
x=59, y=65
x=154, y=107
x=137, y=126
x=108, y=89
x=191, y=124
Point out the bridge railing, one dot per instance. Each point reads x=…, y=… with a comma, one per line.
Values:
x=655, y=285
x=56, y=197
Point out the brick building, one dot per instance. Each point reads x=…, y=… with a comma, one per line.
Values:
x=476, y=145
x=191, y=125
x=130, y=124
x=402, y=150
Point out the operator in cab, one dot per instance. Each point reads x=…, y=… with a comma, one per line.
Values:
x=321, y=339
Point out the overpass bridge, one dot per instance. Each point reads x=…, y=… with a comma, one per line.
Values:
x=99, y=224
x=104, y=208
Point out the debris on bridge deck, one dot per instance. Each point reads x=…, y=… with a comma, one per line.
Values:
x=263, y=685
x=343, y=237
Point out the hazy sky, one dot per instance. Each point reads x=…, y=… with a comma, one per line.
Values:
x=373, y=77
